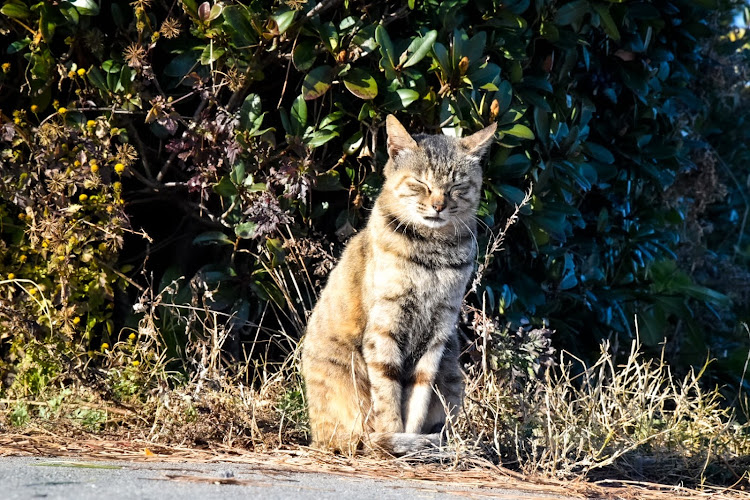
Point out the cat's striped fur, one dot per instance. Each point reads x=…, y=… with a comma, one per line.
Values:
x=382, y=339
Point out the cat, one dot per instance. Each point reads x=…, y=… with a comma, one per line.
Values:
x=382, y=341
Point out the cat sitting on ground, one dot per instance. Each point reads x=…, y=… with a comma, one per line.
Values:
x=382, y=342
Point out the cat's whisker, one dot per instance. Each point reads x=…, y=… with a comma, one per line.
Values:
x=455, y=231
x=482, y=223
x=473, y=236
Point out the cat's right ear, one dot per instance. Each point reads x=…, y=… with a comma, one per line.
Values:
x=398, y=138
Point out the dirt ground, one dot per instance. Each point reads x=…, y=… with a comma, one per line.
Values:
x=478, y=479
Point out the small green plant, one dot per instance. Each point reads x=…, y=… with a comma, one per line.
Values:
x=93, y=420
x=291, y=407
x=19, y=415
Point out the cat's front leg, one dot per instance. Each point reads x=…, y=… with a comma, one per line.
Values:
x=384, y=360
x=422, y=386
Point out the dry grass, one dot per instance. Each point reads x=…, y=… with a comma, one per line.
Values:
x=608, y=429
x=629, y=420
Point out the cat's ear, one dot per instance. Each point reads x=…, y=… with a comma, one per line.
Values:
x=398, y=138
x=478, y=143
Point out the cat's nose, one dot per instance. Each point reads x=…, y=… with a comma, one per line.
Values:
x=438, y=206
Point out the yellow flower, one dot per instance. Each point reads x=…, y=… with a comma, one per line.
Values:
x=119, y=168
x=22, y=258
x=17, y=120
x=131, y=336
x=105, y=346
x=45, y=244
x=71, y=74
x=22, y=216
x=76, y=164
x=34, y=108
x=82, y=198
x=62, y=110
x=81, y=71
x=117, y=186
x=6, y=67
x=11, y=276
x=94, y=168
x=136, y=362
x=91, y=123
x=463, y=65
x=76, y=320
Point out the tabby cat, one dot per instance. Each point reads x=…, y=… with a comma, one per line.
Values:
x=382, y=343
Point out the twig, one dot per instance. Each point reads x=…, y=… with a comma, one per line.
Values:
x=324, y=5
x=496, y=242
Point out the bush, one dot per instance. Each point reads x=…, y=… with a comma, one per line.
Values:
x=244, y=140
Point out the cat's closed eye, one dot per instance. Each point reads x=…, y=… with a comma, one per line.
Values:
x=416, y=187
x=460, y=191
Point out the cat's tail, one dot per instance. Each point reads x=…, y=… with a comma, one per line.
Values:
x=403, y=443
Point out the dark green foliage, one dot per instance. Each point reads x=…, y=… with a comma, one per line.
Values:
x=257, y=128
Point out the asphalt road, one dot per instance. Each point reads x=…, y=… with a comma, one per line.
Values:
x=63, y=478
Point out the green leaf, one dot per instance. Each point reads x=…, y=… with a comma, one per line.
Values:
x=321, y=137
x=70, y=14
x=400, y=99
x=211, y=53
x=510, y=193
x=515, y=166
x=238, y=174
x=352, y=144
x=239, y=26
x=328, y=121
x=571, y=13
x=317, y=82
x=442, y=57
x=328, y=181
x=96, y=78
x=652, y=323
x=15, y=9
x=519, y=130
x=504, y=96
x=299, y=115
x=705, y=294
x=386, y=46
x=487, y=77
x=330, y=36
x=190, y=7
x=245, y=230
x=360, y=83
x=212, y=238
x=598, y=152
x=251, y=115
x=182, y=64
x=86, y=7
x=610, y=28
x=284, y=20
x=303, y=56
x=541, y=123
x=420, y=47
x=18, y=45
x=365, y=40
x=225, y=187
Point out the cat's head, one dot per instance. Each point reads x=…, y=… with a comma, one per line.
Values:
x=434, y=181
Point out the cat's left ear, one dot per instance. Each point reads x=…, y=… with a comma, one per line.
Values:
x=478, y=143
x=398, y=138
